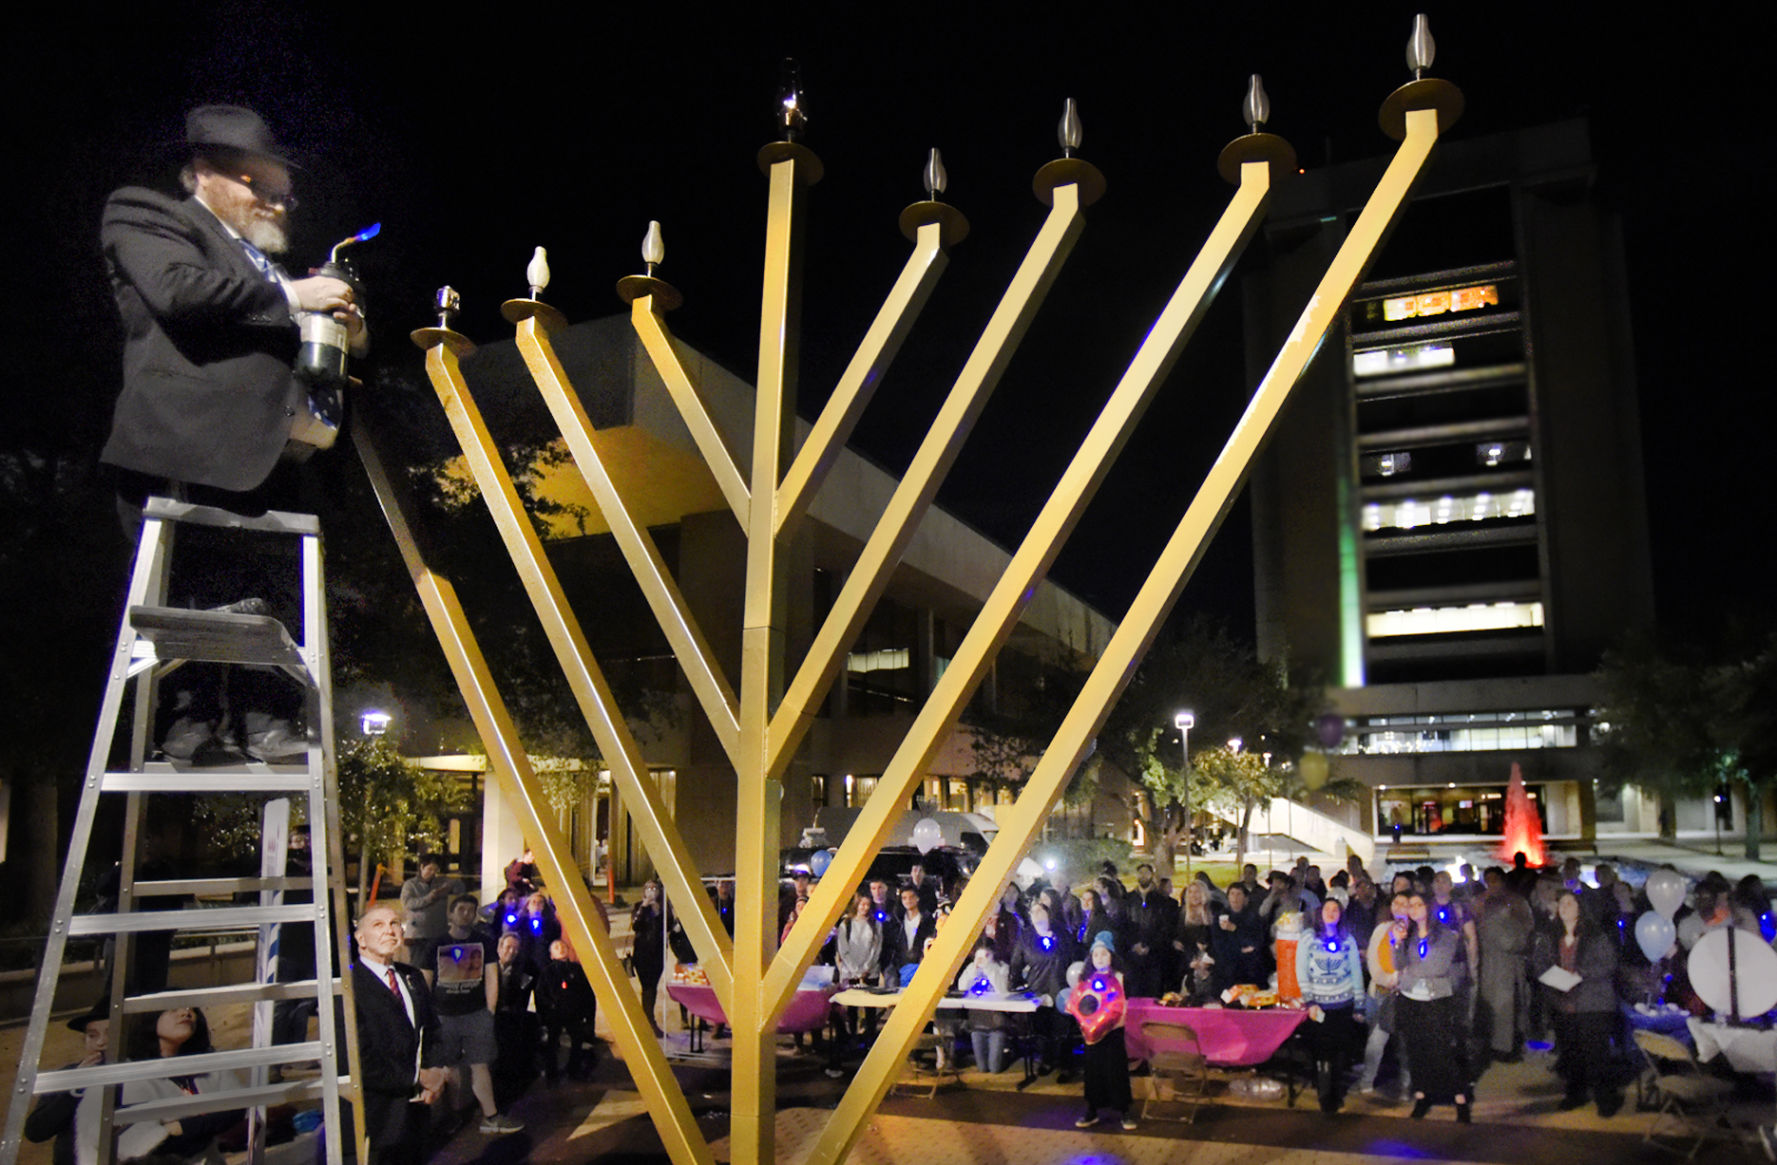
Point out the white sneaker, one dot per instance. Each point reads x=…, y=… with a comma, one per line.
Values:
x=500, y=1124
x=1086, y=1121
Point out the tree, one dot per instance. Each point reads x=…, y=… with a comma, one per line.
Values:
x=1689, y=721
x=387, y=804
x=1232, y=693
x=1241, y=780
x=63, y=575
x=1006, y=741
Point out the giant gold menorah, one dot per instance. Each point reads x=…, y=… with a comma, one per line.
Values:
x=761, y=729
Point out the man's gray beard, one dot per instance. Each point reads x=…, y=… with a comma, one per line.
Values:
x=268, y=235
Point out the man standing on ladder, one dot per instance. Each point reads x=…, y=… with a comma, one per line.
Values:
x=209, y=400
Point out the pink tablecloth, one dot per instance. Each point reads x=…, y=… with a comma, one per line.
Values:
x=807, y=1011
x=1230, y=1037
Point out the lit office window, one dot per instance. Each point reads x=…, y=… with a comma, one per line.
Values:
x=1412, y=513
x=1413, y=357
x=1460, y=732
x=893, y=659
x=1447, y=620
x=1386, y=464
x=1493, y=453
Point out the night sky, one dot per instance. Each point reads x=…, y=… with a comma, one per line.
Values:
x=473, y=138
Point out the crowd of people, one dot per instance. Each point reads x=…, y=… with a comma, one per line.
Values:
x=1421, y=980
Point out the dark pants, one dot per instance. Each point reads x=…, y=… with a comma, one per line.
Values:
x=210, y=567
x=397, y=1129
x=1107, y=1073
x=1436, y=1055
x=1582, y=1052
x=515, y=1056
x=1331, y=1042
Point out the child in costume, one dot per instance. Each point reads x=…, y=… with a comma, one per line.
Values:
x=1098, y=1003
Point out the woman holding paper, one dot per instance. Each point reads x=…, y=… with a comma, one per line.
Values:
x=1577, y=967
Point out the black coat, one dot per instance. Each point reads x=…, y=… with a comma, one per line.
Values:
x=1043, y=968
x=390, y=1047
x=208, y=394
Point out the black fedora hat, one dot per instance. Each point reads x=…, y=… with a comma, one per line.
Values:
x=101, y=1009
x=232, y=127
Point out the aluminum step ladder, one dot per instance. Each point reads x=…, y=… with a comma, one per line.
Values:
x=152, y=641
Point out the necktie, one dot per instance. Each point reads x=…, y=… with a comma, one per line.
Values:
x=259, y=260
x=393, y=985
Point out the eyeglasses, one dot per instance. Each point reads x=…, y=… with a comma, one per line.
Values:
x=284, y=200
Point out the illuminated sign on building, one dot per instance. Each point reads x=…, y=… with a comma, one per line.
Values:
x=1437, y=303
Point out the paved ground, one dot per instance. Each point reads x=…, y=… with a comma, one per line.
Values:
x=988, y=1121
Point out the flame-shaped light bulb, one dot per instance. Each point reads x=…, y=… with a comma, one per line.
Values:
x=936, y=179
x=536, y=272
x=1257, y=107
x=653, y=246
x=791, y=116
x=1421, y=48
x=446, y=302
x=1069, y=132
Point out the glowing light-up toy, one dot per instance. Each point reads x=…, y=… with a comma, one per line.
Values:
x=1098, y=1003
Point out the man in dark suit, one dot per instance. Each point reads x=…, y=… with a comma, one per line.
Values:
x=210, y=408
x=210, y=326
x=915, y=931
x=398, y=1041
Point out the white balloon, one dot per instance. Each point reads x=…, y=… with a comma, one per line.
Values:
x=1654, y=933
x=1665, y=890
x=928, y=835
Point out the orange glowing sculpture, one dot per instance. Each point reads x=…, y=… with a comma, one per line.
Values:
x=1524, y=830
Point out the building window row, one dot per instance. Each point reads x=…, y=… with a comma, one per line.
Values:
x=1464, y=732
x=1504, y=616
x=1412, y=513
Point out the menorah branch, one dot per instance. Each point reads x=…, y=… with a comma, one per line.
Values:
x=968, y=395
x=598, y=707
x=1036, y=553
x=659, y=344
x=658, y=586
x=833, y=428
x=630, y=1024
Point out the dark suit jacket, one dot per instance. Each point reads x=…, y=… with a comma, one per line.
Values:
x=387, y=1042
x=899, y=953
x=208, y=395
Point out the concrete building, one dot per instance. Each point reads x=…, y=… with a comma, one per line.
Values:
x=1450, y=522
x=935, y=592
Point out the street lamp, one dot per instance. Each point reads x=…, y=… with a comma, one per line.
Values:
x=1184, y=722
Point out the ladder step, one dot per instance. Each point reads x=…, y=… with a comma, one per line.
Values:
x=216, y=635
x=223, y=996
x=218, y=918
x=225, y=885
x=255, y=778
x=163, y=1068
x=270, y=522
x=177, y=1107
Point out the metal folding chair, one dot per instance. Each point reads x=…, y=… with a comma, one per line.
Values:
x=1694, y=1101
x=1178, y=1071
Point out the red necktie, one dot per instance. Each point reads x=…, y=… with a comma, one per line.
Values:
x=393, y=985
